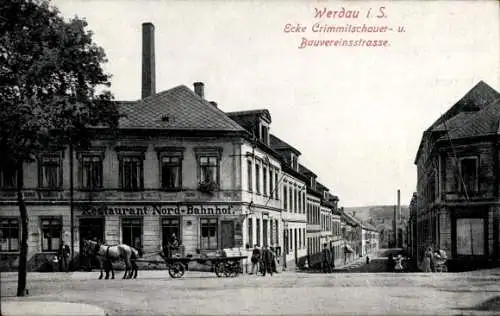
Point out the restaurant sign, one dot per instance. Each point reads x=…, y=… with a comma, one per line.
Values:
x=158, y=210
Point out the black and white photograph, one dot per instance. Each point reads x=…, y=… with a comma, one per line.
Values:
x=295, y=157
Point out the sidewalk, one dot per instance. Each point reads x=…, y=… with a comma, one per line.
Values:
x=44, y=308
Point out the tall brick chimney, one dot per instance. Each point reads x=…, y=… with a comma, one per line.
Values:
x=199, y=89
x=148, y=60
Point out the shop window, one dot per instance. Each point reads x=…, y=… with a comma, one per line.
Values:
x=257, y=179
x=51, y=233
x=8, y=177
x=171, y=172
x=304, y=236
x=249, y=176
x=9, y=234
x=91, y=171
x=50, y=171
x=208, y=227
x=169, y=226
x=132, y=231
x=271, y=235
x=131, y=173
x=470, y=236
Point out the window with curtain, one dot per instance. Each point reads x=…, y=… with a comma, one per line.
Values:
x=50, y=171
x=171, y=172
x=470, y=236
x=209, y=169
x=91, y=172
x=131, y=173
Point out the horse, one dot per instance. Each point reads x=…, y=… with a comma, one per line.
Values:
x=108, y=254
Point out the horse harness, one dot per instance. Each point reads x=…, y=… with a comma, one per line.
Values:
x=98, y=246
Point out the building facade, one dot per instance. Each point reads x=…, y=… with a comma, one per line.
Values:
x=457, y=186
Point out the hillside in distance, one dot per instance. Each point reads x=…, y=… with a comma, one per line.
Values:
x=378, y=215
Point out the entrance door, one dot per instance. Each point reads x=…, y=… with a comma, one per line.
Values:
x=92, y=229
x=227, y=234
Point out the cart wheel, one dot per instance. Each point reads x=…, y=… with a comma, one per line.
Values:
x=219, y=270
x=176, y=270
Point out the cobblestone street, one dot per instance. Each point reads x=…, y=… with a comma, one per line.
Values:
x=285, y=293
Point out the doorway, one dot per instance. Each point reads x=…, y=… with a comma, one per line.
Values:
x=92, y=229
x=227, y=228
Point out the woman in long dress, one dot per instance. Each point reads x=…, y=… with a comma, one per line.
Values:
x=427, y=260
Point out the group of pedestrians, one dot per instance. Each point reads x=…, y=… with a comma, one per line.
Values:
x=263, y=260
x=433, y=261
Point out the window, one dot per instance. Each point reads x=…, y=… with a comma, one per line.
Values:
x=290, y=234
x=91, y=171
x=9, y=234
x=300, y=202
x=8, y=177
x=264, y=180
x=171, y=172
x=295, y=205
x=170, y=225
x=272, y=190
x=250, y=232
x=131, y=173
x=50, y=171
x=285, y=199
x=271, y=230
x=276, y=183
x=290, y=193
x=468, y=172
x=209, y=169
x=257, y=226
x=132, y=231
x=51, y=233
x=257, y=179
x=304, y=236
x=277, y=232
x=299, y=245
x=208, y=227
x=249, y=176
x=265, y=224
x=264, y=134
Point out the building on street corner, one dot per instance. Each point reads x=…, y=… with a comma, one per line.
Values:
x=456, y=206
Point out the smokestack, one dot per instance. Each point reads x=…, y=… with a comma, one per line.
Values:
x=148, y=60
x=199, y=89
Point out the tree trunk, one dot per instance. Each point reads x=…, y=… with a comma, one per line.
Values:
x=21, y=275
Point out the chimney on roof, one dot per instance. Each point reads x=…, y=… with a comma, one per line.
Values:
x=148, y=60
x=199, y=89
x=213, y=103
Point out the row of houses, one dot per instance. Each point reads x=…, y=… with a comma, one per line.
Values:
x=456, y=207
x=178, y=164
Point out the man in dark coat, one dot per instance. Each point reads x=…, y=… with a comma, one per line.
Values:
x=325, y=261
x=267, y=260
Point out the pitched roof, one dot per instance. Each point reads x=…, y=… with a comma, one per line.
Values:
x=178, y=108
x=278, y=144
x=264, y=113
x=467, y=107
x=305, y=171
x=484, y=122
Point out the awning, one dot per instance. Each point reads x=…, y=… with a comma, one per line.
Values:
x=348, y=248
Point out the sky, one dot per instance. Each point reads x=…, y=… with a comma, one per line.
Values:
x=356, y=114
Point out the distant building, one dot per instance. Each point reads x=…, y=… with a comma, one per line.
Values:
x=458, y=181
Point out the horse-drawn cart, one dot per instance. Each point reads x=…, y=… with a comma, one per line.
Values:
x=223, y=266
